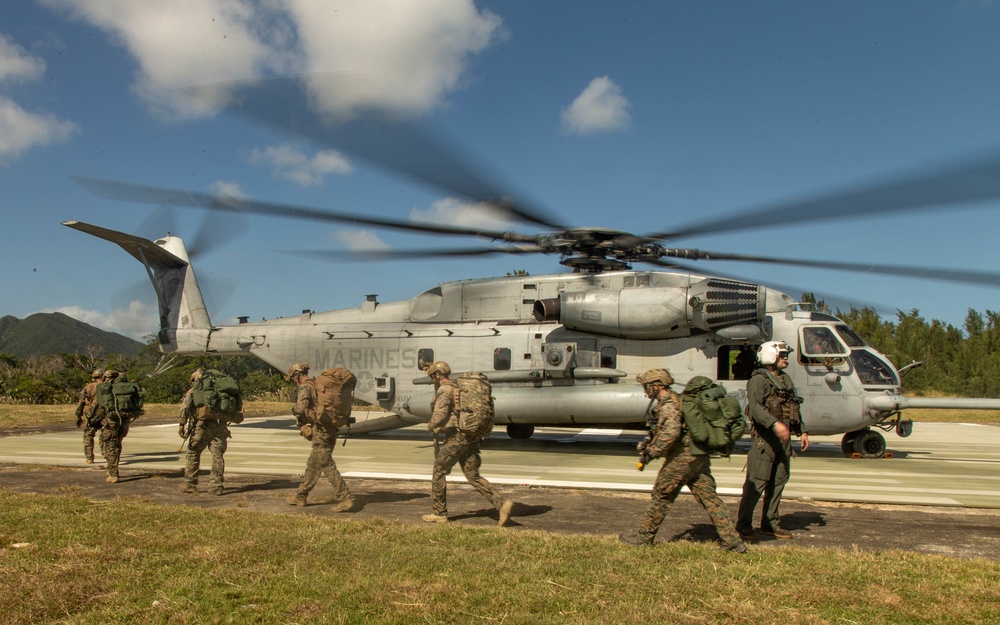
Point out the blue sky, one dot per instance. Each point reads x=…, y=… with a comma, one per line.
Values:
x=637, y=116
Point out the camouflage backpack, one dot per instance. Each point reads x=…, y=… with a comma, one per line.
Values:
x=333, y=396
x=714, y=420
x=218, y=396
x=120, y=399
x=474, y=404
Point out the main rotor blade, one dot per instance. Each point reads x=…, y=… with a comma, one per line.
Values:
x=960, y=184
x=981, y=278
x=130, y=192
x=378, y=255
x=380, y=138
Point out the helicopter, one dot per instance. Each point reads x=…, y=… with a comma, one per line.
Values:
x=561, y=350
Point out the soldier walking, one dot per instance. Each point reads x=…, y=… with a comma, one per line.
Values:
x=775, y=416
x=323, y=436
x=684, y=463
x=114, y=423
x=212, y=433
x=86, y=414
x=453, y=447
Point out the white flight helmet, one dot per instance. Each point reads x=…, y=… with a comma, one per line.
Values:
x=767, y=353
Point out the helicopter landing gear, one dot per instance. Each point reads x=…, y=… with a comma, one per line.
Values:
x=519, y=431
x=866, y=443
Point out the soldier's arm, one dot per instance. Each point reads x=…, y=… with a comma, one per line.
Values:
x=668, y=429
x=757, y=391
x=303, y=402
x=444, y=401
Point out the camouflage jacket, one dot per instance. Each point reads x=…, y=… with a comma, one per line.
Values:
x=303, y=408
x=443, y=413
x=669, y=438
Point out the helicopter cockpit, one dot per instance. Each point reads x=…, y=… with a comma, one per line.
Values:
x=833, y=346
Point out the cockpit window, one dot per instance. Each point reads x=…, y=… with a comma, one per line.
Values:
x=821, y=342
x=850, y=336
x=871, y=369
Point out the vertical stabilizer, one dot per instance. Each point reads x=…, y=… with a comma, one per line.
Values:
x=184, y=322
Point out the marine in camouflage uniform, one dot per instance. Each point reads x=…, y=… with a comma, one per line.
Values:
x=775, y=416
x=114, y=428
x=684, y=463
x=202, y=433
x=452, y=447
x=86, y=414
x=323, y=436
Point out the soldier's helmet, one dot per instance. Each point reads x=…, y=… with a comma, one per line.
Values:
x=655, y=376
x=96, y=374
x=438, y=366
x=196, y=375
x=109, y=375
x=768, y=352
x=298, y=368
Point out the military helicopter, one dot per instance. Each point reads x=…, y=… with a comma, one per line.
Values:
x=560, y=349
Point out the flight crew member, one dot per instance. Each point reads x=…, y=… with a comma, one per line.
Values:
x=86, y=414
x=212, y=433
x=323, y=436
x=775, y=416
x=684, y=463
x=452, y=447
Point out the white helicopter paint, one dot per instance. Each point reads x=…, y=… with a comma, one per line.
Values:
x=561, y=349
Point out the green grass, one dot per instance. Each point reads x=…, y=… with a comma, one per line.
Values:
x=129, y=561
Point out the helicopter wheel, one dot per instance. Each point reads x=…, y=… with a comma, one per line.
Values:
x=519, y=431
x=847, y=443
x=870, y=444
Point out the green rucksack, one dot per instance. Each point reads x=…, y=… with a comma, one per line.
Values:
x=218, y=396
x=714, y=420
x=120, y=399
x=474, y=403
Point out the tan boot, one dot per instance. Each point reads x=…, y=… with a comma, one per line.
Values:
x=344, y=505
x=435, y=518
x=297, y=501
x=505, y=509
x=111, y=479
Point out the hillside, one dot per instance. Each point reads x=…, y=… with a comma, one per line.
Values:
x=55, y=333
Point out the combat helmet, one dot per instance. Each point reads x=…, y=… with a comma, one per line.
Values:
x=96, y=374
x=298, y=368
x=655, y=376
x=438, y=366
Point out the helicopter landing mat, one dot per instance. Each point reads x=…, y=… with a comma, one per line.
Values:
x=941, y=464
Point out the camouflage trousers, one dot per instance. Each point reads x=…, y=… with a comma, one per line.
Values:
x=457, y=449
x=89, y=432
x=321, y=462
x=210, y=433
x=112, y=435
x=768, y=470
x=694, y=472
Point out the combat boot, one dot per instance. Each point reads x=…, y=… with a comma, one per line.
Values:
x=297, y=501
x=435, y=518
x=111, y=479
x=217, y=490
x=344, y=505
x=776, y=532
x=737, y=547
x=188, y=489
x=505, y=509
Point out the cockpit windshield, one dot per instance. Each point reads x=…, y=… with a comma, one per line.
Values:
x=872, y=370
x=850, y=336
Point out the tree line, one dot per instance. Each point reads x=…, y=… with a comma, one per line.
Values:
x=956, y=361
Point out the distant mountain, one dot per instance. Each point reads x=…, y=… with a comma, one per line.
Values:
x=42, y=334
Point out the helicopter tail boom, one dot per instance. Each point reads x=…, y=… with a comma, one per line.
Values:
x=899, y=402
x=184, y=322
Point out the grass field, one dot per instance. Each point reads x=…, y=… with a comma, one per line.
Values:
x=69, y=560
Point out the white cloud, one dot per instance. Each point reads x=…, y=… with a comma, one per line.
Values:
x=21, y=129
x=16, y=63
x=135, y=321
x=452, y=212
x=361, y=240
x=227, y=188
x=295, y=165
x=601, y=107
x=406, y=54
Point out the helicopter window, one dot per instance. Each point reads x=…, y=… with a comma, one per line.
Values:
x=609, y=357
x=501, y=359
x=736, y=362
x=424, y=358
x=850, y=336
x=821, y=342
x=872, y=370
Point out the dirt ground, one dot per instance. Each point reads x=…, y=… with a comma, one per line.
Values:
x=943, y=531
